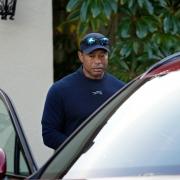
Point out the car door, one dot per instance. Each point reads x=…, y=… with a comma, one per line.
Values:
x=20, y=162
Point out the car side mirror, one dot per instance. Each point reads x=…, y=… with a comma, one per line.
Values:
x=2, y=164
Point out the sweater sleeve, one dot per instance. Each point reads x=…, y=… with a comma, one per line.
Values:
x=53, y=119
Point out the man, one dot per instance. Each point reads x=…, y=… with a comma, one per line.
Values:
x=73, y=98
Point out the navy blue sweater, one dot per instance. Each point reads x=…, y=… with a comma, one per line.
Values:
x=70, y=101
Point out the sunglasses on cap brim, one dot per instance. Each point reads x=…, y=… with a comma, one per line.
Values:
x=90, y=41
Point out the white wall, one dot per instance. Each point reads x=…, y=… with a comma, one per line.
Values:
x=26, y=66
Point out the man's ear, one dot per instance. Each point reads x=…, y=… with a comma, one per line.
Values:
x=80, y=55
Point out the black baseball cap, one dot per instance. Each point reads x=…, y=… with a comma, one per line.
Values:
x=93, y=41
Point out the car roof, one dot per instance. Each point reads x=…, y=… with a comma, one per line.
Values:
x=166, y=65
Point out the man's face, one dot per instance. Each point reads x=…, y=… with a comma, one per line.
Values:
x=94, y=63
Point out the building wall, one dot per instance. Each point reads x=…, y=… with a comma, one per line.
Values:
x=26, y=66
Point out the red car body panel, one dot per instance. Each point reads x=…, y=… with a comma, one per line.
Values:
x=164, y=69
x=2, y=164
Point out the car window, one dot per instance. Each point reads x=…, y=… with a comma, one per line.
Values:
x=141, y=137
x=9, y=142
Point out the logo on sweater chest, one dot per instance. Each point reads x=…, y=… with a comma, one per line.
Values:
x=97, y=92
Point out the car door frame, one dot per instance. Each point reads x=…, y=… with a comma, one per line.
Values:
x=21, y=139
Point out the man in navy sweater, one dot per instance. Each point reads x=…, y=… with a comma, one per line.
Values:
x=73, y=98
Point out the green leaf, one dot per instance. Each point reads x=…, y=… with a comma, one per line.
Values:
x=130, y=4
x=175, y=24
x=122, y=2
x=140, y=3
x=71, y=5
x=95, y=9
x=152, y=27
x=136, y=46
x=83, y=11
x=107, y=9
x=74, y=15
x=126, y=49
x=82, y=28
x=125, y=28
x=141, y=30
x=149, y=6
x=95, y=24
x=167, y=24
x=157, y=38
x=168, y=41
x=149, y=49
x=150, y=23
x=177, y=14
x=124, y=65
x=133, y=65
x=113, y=4
x=163, y=3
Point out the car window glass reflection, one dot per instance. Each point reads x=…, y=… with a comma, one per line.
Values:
x=144, y=134
x=7, y=136
x=8, y=142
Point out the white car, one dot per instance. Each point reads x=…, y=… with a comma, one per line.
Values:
x=133, y=135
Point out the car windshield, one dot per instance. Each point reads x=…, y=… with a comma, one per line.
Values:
x=141, y=137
